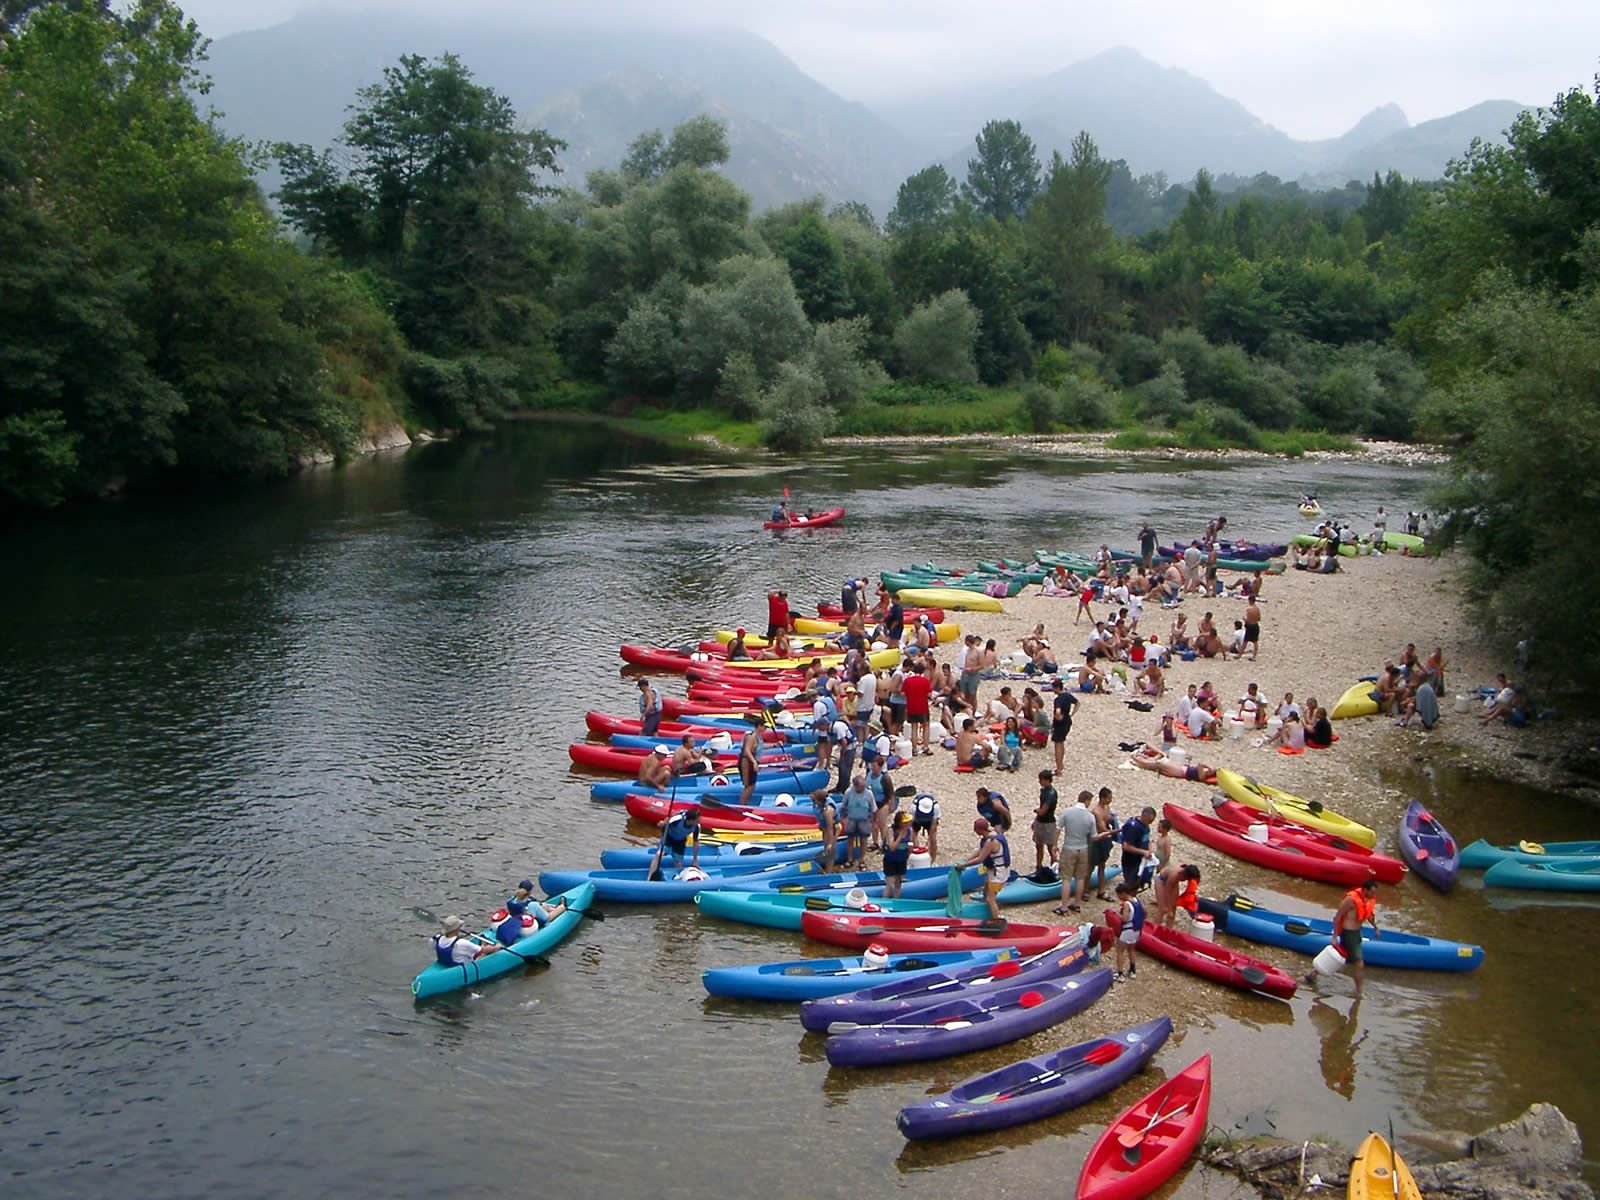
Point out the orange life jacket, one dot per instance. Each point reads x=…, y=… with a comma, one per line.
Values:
x=1366, y=906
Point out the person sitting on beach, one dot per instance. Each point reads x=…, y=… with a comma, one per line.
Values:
x=1089, y=677
x=1319, y=734
x=1236, y=641
x=1168, y=731
x=1004, y=705
x=1055, y=584
x=1186, y=703
x=1031, y=643
x=1152, y=680
x=1291, y=734
x=1387, y=688
x=1433, y=669
x=1150, y=758
x=1008, y=754
x=1035, y=714
x=1206, y=641
x=1421, y=702
x=1252, y=709
x=1410, y=664
x=1043, y=662
x=1502, y=703
x=1203, y=721
x=971, y=750
x=1287, y=706
x=1178, y=635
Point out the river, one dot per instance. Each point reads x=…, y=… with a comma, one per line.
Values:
x=250, y=741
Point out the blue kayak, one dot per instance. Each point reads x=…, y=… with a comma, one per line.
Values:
x=1308, y=935
x=1023, y=890
x=633, y=886
x=721, y=854
x=814, y=978
x=695, y=787
x=782, y=910
x=437, y=979
x=921, y=883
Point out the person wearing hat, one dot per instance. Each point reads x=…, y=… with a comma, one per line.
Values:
x=1359, y=907
x=1061, y=710
x=994, y=855
x=649, y=709
x=736, y=647
x=681, y=828
x=524, y=903
x=896, y=854
x=655, y=770
x=455, y=948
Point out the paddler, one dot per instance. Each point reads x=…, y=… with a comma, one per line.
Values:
x=994, y=855
x=453, y=948
x=655, y=770
x=737, y=652
x=1359, y=907
x=686, y=759
x=681, y=828
x=524, y=903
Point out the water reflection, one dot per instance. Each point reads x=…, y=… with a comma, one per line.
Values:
x=1338, y=1032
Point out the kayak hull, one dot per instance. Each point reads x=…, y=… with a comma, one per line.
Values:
x=1357, y=701
x=1278, y=852
x=700, y=788
x=1253, y=794
x=828, y=516
x=1428, y=848
x=816, y=978
x=1308, y=935
x=1481, y=855
x=624, y=858
x=1378, y=1173
x=782, y=910
x=921, y=883
x=907, y=934
x=951, y=598
x=1022, y=1092
x=1383, y=867
x=1023, y=890
x=437, y=980
x=1216, y=963
x=1164, y=1146
x=1576, y=875
x=635, y=886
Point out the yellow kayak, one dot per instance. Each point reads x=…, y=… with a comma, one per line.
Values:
x=878, y=658
x=755, y=642
x=1357, y=701
x=1309, y=813
x=949, y=631
x=952, y=598
x=1377, y=1173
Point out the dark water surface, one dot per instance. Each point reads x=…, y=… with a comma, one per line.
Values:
x=249, y=742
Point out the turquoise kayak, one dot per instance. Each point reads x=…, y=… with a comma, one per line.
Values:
x=1482, y=855
x=921, y=883
x=437, y=980
x=1023, y=890
x=1576, y=875
x=775, y=910
x=818, y=978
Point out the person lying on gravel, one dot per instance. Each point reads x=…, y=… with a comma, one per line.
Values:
x=1152, y=759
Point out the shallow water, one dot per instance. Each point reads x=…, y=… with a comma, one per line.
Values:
x=250, y=743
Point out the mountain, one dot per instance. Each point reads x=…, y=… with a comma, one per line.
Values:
x=1422, y=151
x=597, y=88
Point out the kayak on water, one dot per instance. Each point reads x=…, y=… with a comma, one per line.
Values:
x=1036, y=1087
x=1480, y=855
x=905, y=934
x=1308, y=935
x=782, y=910
x=814, y=978
x=828, y=516
x=438, y=979
x=698, y=725
x=1216, y=963
x=677, y=886
x=1428, y=848
x=1383, y=867
x=920, y=883
x=1571, y=875
x=701, y=787
x=1145, y=1146
x=622, y=858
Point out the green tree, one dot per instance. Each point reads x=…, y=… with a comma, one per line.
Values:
x=934, y=343
x=793, y=415
x=1067, y=233
x=1003, y=178
x=837, y=359
x=926, y=200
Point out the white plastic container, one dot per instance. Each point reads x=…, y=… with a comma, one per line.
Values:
x=1329, y=960
x=1235, y=729
x=1177, y=753
x=1258, y=832
x=919, y=858
x=1463, y=703
x=1204, y=928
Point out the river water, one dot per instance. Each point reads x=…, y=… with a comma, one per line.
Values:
x=249, y=742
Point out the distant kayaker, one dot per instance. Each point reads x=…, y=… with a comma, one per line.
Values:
x=736, y=648
x=655, y=768
x=681, y=828
x=1131, y=910
x=524, y=903
x=897, y=855
x=649, y=708
x=994, y=855
x=1359, y=907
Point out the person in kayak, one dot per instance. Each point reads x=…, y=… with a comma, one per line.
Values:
x=453, y=948
x=827, y=810
x=1359, y=907
x=649, y=709
x=682, y=827
x=737, y=652
x=1131, y=911
x=994, y=855
x=655, y=769
x=523, y=903
x=925, y=823
x=686, y=759
x=897, y=855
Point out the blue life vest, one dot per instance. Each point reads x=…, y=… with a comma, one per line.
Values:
x=1002, y=868
x=517, y=907
x=677, y=831
x=444, y=949
x=989, y=812
x=875, y=784
x=508, y=931
x=1136, y=921
x=830, y=709
x=858, y=806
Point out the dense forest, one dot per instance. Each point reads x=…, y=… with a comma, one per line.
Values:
x=165, y=320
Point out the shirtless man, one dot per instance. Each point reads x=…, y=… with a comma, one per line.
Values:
x=654, y=771
x=686, y=759
x=1252, y=627
x=970, y=750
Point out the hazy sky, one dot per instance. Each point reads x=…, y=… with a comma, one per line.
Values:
x=1310, y=67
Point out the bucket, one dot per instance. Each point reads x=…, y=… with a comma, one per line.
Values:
x=1463, y=703
x=1273, y=725
x=1177, y=753
x=1204, y=928
x=919, y=858
x=1329, y=960
x=1235, y=728
x=1257, y=833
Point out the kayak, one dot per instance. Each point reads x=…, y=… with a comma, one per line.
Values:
x=1257, y=552
x=828, y=516
x=1428, y=848
x=1159, y=1134
x=1385, y=868
x=961, y=1026
x=1023, y=890
x=437, y=979
x=1481, y=855
x=740, y=710
x=1246, y=565
x=955, y=582
x=1036, y=1087
x=1390, y=540
x=921, y=883
x=815, y=978
x=890, y=1001
x=1310, y=510
x=732, y=818
x=1573, y=875
x=1346, y=549
x=953, y=598
x=1308, y=935
x=905, y=934
x=634, y=886
x=621, y=858
x=879, y=659
x=833, y=616
x=705, y=787
x=1216, y=963
x=1378, y=1173
x=782, y=910
x=1272, y=850
x=626, y=759
x=698, y=725
x=1310, y=813
x=1357, y=701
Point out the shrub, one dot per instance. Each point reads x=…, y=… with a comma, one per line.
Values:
x=1164, y=398
x=1042, y=405
x=793, y=416
x=1086, y=403
x=934, y=344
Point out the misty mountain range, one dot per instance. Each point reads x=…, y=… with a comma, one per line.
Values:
x=792, y=137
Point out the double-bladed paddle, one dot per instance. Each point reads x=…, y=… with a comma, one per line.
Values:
x=1029, y=999
x=1133, y=1143
x=1104, y=1053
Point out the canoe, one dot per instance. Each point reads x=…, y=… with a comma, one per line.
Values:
x=1035, y=1087
x=1390, y=540
x=698, y=725
x=874, y=1004
x=1216, y=963
x=1378, y=1173
x=1357, y=701
x=1277, y=852
x=1428, y=848
x=920, y=883
x=880, y=659
x=961, y=1026
x=1480, y=855
x=698, y=788
x=731, y=819
x=782, y=910
x=626, y=759
x=905, y=934
x=1256, y=552
x=633, y=886
x=436, y=979
x=1346, y=549
x=833, y=615
x=1307, y=935
x=828, y=516
x=957, y=584
x=952, y=598
x=1165, y=1126
x=815, y=978
x=621, y=858
x=1023, y=890
x=1385, y=868
x=1573, y=875
x=1310, y=510
x=1246, y=565
x=1310, y=813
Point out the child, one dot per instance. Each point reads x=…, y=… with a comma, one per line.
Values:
x=1009, y=757
x=1131, y=910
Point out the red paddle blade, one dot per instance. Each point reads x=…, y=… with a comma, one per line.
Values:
x=1422, y=853
x=1005, y=970
x=1030, y=999
x=1103, y=1053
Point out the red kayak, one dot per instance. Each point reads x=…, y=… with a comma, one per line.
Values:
x=1213, y=962
x=626, y=759
x=829, y=516
x=1281, y=854
x=652, y=810
x=1158, y=1134
x=668, y=731
x=1386, y=868
x=735, y=680
x=835, y=612
x=727, y=705
x=905, y=935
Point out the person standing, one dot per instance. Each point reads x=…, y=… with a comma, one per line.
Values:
x=749, y=757
x=866, y=701
x=1359, y=907
x=994, y=855
x=1147, y=545
x=858, y=806
x=925, y=822
x=843, y=735
x=1061, y=710
x=649, y=709
x=896, y=855
x=1078, y=827
x=1131, y=910
x=917, y=687
x=681, y=828
x=1192, y=558
x=1044, y=823
x=1137, y=857
x=827, y=813
x=1252, y=628
x=1105, y=832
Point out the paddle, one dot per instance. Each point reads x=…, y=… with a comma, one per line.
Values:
x=1240, y=904
x=1103, y=1053
x=1394, y=1165
x=1133, y=1143
x=1026, y=1000
x=1254, y=976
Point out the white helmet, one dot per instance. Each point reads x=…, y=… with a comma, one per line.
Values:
x=783, y=800
x=855, y=898
x=691, y=875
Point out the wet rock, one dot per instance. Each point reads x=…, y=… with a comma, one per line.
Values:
x=1538, y=1156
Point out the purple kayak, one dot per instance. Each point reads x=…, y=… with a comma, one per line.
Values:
x=1428, y=848
x=960, y=1026
x=888, y=1001
x=1035, y=1087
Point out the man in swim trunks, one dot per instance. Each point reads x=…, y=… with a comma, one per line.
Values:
x=1252, y=628
x=1359, y=907
x=1061, y=710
